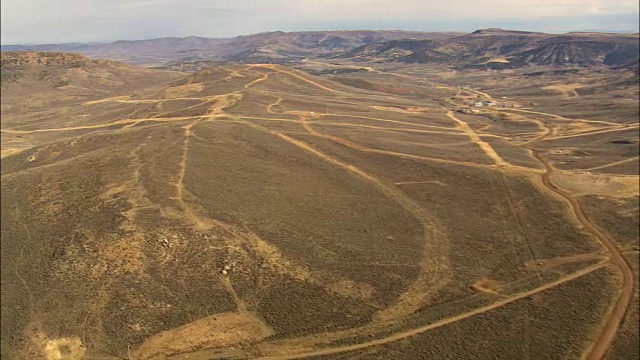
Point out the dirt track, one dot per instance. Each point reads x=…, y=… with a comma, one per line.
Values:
x=443, y=322
x=599, y=349
x=613, y=164
x=415, y=296
x=612, y=324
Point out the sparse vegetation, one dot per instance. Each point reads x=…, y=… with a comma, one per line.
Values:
x=258, y=210
x=552, y=323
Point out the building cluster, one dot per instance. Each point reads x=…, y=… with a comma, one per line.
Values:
x=487, y=103
x=483, y=103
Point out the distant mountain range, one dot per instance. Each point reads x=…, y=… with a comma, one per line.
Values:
x=482, y=49
x=264, y=47
x=503, y=49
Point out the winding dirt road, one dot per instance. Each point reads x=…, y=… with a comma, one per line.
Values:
x=442, y=322
x=575, y=211
x=610, y=327
x=417, y=296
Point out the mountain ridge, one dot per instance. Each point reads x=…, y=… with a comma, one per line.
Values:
x=274, y=45
x=503, y=49
x=491, y=48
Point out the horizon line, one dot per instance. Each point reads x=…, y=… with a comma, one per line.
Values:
x=613, y=32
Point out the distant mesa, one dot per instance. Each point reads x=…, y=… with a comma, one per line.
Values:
x=502, y=31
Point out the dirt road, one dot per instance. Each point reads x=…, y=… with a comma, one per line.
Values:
x=610, y=327
x=434, y=262
x=575, y=211
x=612, y=324
x=443, y=322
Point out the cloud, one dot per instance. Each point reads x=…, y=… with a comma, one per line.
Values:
x=72, y=20
x=130, y=5
x=456, y=8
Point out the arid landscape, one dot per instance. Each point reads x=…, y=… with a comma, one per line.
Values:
x=373, y=195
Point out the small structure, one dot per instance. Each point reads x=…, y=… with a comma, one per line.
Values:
x=225, y=269
x=469, y=111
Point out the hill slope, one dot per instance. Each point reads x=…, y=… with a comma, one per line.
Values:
x=33, y=79
x=251, y=211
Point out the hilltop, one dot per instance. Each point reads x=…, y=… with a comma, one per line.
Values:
x=33, y=80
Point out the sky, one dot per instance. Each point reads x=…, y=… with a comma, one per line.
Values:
x=61, y=21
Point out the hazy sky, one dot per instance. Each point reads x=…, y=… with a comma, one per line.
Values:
x=42, y=21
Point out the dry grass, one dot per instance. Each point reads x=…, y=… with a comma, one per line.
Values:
x=264, y=209
x=220, y=330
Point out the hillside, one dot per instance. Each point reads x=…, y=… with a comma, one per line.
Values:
x=258, y=211
x=35, y=79
x=506, y=49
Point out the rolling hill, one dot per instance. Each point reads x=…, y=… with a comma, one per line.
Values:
x=257, y=211
x=35, y=80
